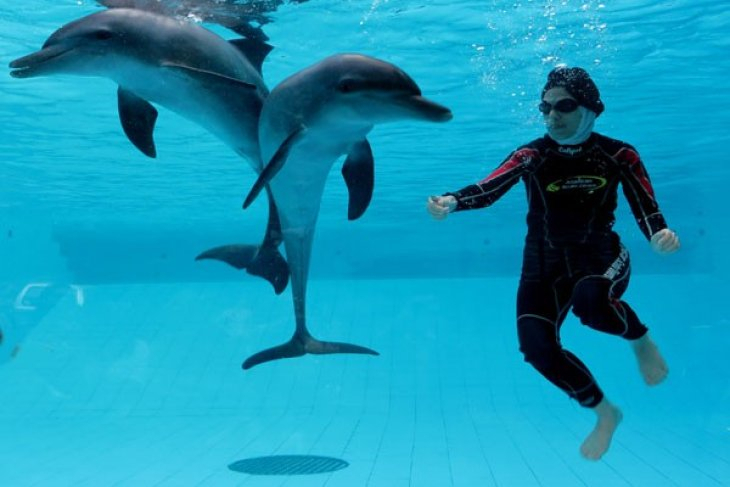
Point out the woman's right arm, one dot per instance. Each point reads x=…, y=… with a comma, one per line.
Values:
x=488, y=190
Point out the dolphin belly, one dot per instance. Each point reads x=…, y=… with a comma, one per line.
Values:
x=298, y=189
x=233, y=120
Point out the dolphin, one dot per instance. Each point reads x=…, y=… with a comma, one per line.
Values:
x=245, y=18
x=190, y=70
x=308, y=121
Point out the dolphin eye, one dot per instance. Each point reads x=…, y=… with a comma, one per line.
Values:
x=103, y=35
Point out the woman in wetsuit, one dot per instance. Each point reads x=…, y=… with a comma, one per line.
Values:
x=572, y=257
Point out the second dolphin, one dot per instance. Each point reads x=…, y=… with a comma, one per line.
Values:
x=308, y=121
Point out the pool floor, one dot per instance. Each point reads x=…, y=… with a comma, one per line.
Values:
x=142, y=385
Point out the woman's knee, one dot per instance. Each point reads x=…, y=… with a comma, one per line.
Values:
x=538, y=342
x=591, y=299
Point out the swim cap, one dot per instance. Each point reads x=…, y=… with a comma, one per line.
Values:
x=579, y=84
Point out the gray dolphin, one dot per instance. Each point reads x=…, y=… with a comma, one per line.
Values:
x=185, y=68
x=308, y=121
x=244, y=17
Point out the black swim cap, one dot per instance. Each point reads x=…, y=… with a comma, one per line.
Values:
x=579, y=84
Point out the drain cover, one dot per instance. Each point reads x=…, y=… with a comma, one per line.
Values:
x=288, y=465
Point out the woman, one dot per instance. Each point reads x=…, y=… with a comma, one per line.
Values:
x=572, y=257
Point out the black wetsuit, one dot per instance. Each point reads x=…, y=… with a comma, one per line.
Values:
x=572, y=257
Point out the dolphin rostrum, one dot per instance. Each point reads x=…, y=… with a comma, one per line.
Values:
x=185, y=68
x=308, y=121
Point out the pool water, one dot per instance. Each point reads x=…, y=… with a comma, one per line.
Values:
x=120, y=359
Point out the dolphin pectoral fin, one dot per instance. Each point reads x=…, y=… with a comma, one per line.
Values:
x=274, y=165
x=209, y=77
x=300, y=345
x=359, y=174
x=255, y=50
x=138, y=118
x=265, y=261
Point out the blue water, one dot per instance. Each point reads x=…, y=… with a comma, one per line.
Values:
x=120, y=360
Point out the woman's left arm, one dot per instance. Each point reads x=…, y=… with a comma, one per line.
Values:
x=640, y=195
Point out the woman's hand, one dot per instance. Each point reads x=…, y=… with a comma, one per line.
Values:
x=665, y=241
x=440, y=206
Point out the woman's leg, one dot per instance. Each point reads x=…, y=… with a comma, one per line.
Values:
x=540, y=313
x=596, y=302
x=596, y=297
x=541, y=308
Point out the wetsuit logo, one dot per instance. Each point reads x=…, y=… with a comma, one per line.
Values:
x=571, y=151
x=583, y=183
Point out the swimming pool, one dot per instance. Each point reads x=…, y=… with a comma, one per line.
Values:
x=121, y=355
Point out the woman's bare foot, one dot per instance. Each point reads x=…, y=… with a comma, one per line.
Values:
x=651, y=363
x=598, y=441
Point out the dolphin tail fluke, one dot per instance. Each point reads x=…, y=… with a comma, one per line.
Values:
x=318, y=347
x=238, y=256
x=290, y=349
x=271, y=265
x=298, y=346
x=265, y=261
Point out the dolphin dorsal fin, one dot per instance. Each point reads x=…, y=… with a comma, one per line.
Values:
x=138, y=118
x=209, y=76
x=254, y=50
x=275, y=164
x=359, y=174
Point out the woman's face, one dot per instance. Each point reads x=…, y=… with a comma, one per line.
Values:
x=560, y=125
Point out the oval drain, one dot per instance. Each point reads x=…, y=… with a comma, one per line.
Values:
x=288, y=465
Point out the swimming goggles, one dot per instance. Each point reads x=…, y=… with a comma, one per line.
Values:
x=566, y=105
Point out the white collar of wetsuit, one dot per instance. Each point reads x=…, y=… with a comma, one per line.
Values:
x=584, y=130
